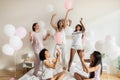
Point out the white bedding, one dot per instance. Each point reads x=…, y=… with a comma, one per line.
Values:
x=69, y=76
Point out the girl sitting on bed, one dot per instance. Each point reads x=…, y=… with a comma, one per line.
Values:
x=49, y=65
x=95, y=68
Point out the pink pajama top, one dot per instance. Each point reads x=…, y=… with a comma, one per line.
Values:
x=37, y=43
x=60, y=37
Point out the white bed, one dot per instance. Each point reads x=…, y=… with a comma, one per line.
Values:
x=69, y=75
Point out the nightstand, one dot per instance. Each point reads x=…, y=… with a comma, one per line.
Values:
x=27, y=65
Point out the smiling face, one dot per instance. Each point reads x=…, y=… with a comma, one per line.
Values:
x=78, y=28
x=37, y=27
x=60, y=24
x=47, y=55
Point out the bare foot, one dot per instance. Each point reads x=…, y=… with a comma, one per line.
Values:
x=64, y=68
x=68, y=70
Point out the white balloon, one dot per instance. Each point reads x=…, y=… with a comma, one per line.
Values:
x=44, y=32
x=89, y=46
x=89, y=34
x=30, y=55
x=50, y=8
x=68, y=31
x=52, y=31
x=11, y=68
x=16, y=42
x=8, y=50
x=9, y=30
x=41, y=24
x=99, y=45
x=113, y=55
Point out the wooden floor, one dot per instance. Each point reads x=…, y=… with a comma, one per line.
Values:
x=6, y=75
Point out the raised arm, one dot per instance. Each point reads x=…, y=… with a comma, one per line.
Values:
x=65, y=20
x=83, y=27
x=52, y=24
x=54, y=65
x=87, y=60
x=89, y=69
x=46, y=36
x=70, y=22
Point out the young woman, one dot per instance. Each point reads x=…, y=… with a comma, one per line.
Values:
x=95, y=68
x=37, y=38
x=49, y=66
x=77, y=42
x=60, y=35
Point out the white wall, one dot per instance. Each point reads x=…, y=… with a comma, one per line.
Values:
x=100, y=16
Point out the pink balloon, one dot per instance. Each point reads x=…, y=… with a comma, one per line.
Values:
x=110, y=39
x=12, y=79
x=21, y=32
x=68, y=4
x=59, y=38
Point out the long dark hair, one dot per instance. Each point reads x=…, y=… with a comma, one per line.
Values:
x=61, y=20
x=78, y=25
x=42, y=54
x=97, y=60
x=34, y=24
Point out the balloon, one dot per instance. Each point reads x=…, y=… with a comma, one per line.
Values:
x=44, y=32
x=42, y=24
x=99, y=45
x=2, y=66
x=30, y=55
x=12, y=79
x=110, y=39
x=50, y=8
x=68, y=31
x=8, y=50
x=9, y=30
x=89, y=34
x=68, y=4
x=21, y=32
x=113, y=55
x=16, y=42
x=11, y=68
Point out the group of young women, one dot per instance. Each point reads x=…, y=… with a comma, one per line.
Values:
x=49, y=65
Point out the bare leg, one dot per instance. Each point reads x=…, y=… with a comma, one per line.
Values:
x=79, y=77
x=72, y=53
x=62, y=76
x=63, y=57
x=80, y=52
x=59, y=76
x=37, y=64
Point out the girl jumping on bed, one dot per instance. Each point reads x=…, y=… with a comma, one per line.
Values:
x=60, y=35
x=95, y=68
x=77, y=42
x=37, y=38
x=49, y=65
